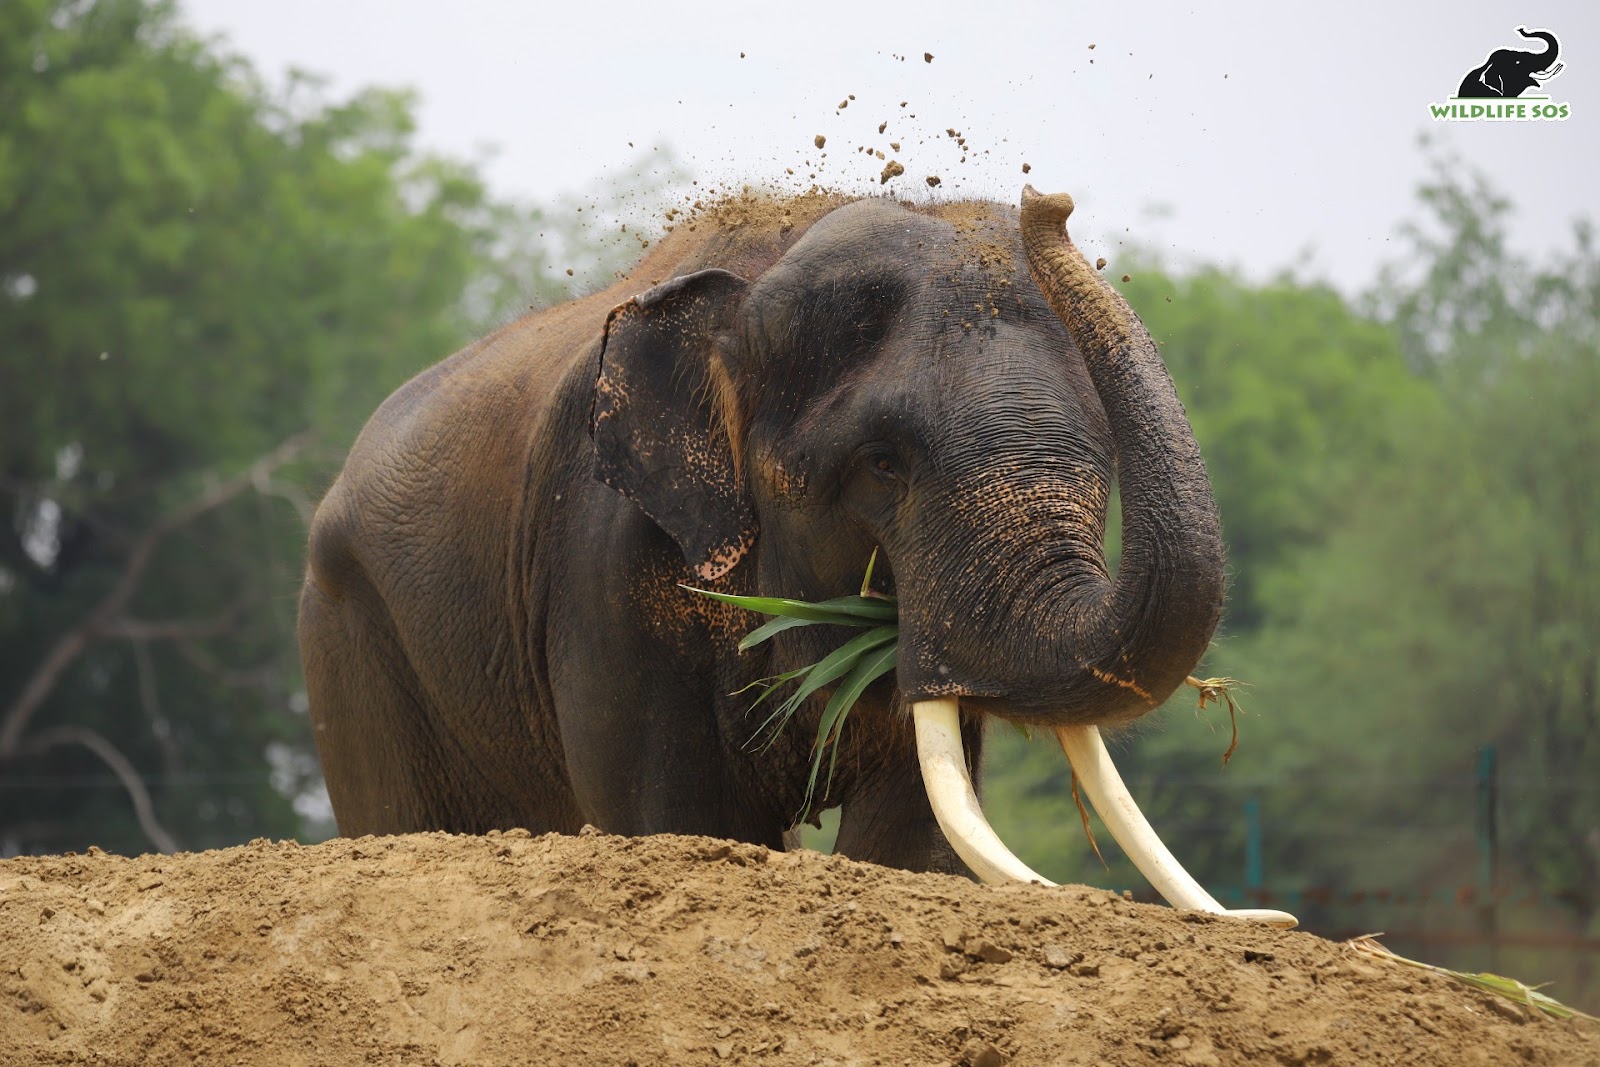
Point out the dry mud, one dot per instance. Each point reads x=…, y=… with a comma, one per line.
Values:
x=432, y=949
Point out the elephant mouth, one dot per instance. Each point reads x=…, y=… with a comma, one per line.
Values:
x=955, y=805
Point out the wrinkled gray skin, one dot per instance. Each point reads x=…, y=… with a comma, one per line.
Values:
x=492, y=628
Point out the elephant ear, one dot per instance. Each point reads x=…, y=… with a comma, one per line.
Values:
x=663, y=423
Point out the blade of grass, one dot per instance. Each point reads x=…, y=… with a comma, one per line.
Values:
x=772, y=682
x=1499, y=985
x=771, y=629
x=1083, y=813
x=835, y=665
x=866, y=579
x=886, y=608
x=872, y=666
x=844, y=611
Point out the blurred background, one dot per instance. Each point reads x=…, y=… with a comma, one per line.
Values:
x=228, y=230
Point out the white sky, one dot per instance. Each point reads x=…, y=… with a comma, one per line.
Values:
x=1242, y=133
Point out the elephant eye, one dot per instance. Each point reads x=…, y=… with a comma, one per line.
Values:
x=874, y=480
x=876, y=466
x=883, y=463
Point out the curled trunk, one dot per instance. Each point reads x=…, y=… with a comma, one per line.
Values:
x=1143, y=633
x=1552, y=48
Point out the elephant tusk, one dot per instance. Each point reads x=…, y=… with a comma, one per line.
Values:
x=1086, y=751
x=955, y=804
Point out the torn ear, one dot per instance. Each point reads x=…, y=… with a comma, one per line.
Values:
x=666, y=417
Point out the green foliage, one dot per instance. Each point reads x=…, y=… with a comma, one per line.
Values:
x=1288, y=389
x=1463, y=588
x=194, y=269
x=172, y=225
x=1412, y=508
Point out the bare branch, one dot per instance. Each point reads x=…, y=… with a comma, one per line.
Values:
x=126, y=773
x=266, y=675
x=171, y=629
x=93, y=626
x=303, y=505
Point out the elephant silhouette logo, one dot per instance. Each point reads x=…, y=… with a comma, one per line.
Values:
x=1508, y=72
x=1492, y=91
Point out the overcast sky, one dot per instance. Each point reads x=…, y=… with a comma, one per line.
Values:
x=1250, y=133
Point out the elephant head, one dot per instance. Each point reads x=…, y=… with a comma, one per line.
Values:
x=956, y=387
x=1508, y=72
x=956, y=391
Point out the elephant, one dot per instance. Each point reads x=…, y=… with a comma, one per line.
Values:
x=494, y=626
x=1508, y=72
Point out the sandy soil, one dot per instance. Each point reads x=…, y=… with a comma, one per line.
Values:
x=433, y=949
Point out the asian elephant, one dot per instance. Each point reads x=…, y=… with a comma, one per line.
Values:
x=493, y=627
x=1509, y=72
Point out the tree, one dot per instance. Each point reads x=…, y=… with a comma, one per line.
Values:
x=1463, y=590
x=205, y=288
x=1427, y=584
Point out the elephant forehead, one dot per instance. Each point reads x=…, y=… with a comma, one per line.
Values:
x=990, y=375
x=882, y=237
x=952, y=394
x=986, y=236
x=864, y=224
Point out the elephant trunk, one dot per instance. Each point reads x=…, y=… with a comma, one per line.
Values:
x=1006, y=601
x=1552, y=48
x=1136, y=638
x=1127, y=644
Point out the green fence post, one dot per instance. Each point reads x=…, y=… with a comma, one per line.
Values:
x=1254, y=877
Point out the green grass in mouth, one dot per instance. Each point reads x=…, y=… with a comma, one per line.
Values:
x=854, y=665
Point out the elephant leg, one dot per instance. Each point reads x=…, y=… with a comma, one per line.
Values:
x=887, y=820
x=636, y=694
x=644, y=755
x=391, y=761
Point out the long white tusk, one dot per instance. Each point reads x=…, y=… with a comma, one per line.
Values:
x=1087, y=753
x=955, y=805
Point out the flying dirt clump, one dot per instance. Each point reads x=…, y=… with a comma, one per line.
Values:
x=893, y=170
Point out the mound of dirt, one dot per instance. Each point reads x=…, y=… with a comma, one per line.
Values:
x=433, y=949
